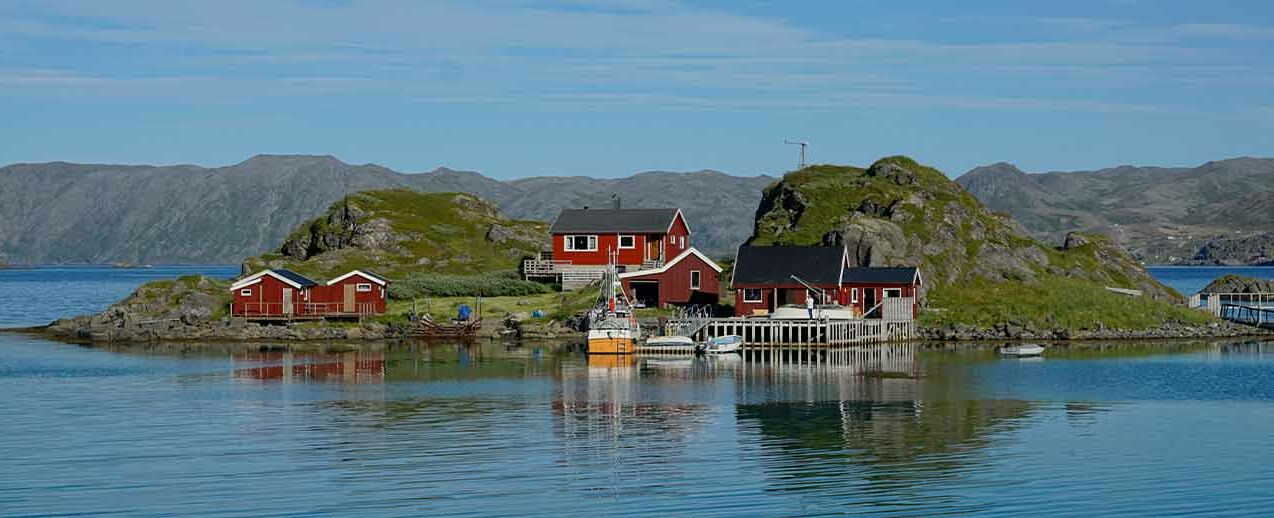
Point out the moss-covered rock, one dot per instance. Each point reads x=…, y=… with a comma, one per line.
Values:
x=980, y=268
x=400, y=232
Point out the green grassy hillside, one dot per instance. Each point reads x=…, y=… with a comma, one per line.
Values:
x=399, y=233
x=980, y=268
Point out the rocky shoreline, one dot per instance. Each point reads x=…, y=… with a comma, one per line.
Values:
x=118, y=326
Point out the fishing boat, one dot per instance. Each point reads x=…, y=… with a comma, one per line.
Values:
x=612, y=326
x=1021, y=350
x=727, y=344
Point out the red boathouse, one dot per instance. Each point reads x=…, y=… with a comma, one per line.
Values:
x=275, y=293
x=285, y=294
x=358, y=292
x=689, y=278
x=768, y=277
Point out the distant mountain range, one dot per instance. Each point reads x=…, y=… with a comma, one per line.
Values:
x=1161, y=215
x=88, y=213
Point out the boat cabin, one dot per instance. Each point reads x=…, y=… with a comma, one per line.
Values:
x=688, y=278
x=767, y=278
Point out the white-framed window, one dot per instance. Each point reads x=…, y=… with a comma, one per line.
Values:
x=627, y=242
x=363, y=287
x=246, y=292
x=694, y=279
x=581, y=243
x=853, y=295
x=893, y=293
x=752, y=295
x=683, y=242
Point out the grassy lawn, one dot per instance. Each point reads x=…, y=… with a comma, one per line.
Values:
x=556, y=305
x=1051, y=304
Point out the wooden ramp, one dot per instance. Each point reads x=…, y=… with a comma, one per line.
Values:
x=1258, y=316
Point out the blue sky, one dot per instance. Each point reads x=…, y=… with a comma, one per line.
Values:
x=518, y=88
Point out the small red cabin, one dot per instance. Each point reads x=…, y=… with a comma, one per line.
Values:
x=768, y=277
x=280, y=293
x=640, y=236
x=689, y=278
x=271, y=294
x=358, y=292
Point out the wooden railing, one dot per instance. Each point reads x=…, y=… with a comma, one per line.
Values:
x=1213, y=302
x=764, y=331
x=299, y=309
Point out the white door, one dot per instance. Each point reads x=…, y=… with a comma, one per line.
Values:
x=287, y=301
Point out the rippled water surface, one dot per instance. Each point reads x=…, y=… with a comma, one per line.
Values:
x=443, y=429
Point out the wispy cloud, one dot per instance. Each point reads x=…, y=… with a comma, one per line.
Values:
x=654, y=52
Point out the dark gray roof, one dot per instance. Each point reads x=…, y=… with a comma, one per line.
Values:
x=375, y=276
x=777, y=264
x=304, y=281
x=637, y=221
x=881, y=275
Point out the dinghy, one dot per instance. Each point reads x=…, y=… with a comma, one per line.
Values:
x=722, y=345
x=1021, y=350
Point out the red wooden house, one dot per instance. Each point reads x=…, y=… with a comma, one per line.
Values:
x=642, y=237
x=768, y=277
x=358, y=292
x=688, y=278
x=285, y=294
x=275, y=293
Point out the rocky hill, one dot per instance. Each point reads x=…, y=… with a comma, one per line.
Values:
x=982, y=270
x=1161, y=215
x=1230, y=251
x=95, y=213
x=396, y=232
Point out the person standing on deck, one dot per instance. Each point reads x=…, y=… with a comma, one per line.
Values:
x=809, y=303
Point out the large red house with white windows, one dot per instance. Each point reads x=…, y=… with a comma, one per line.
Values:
x=639, y=236
x=583, y=239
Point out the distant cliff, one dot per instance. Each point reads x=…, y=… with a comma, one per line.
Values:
x=86, y=213
x=1161, y=215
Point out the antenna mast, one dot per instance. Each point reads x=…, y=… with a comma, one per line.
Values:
x=803, y=145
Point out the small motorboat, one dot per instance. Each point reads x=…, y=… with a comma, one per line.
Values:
x=722, y=345
x=657, y=344
x=1021, y=350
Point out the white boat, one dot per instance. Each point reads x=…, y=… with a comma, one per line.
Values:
x=723, y=345
x=668, y=341
x=1021, y=350
x=828, y=311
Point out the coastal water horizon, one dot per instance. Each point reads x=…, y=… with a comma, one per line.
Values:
x=444, y=428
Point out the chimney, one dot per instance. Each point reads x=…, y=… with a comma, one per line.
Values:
x=615, y=202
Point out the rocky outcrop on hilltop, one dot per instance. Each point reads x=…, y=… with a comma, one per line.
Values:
x=984, y=274
x=399, y=232
x=1238, y=284
x=899, y=213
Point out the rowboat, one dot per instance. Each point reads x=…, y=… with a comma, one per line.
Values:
x=1021, y=350
x=723, y=345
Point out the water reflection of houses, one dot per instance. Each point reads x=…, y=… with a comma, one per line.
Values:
x=289, y=367
x=870, y=373
x=610, y=396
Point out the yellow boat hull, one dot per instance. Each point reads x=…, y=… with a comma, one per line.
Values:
x=611, y=345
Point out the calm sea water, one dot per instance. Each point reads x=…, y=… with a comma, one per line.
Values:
x=412, y=429
x=1188, y=280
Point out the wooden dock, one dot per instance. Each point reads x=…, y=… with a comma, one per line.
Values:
x=806, y=332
